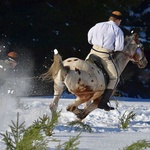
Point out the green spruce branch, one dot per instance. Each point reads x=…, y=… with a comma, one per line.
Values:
x=125, y=119
x=80, y=126
x=35, y=136
x=13, y=137
x=71, y=144
x=139, y=145
x=47, y=124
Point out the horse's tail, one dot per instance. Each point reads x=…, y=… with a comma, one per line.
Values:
x=55, y=68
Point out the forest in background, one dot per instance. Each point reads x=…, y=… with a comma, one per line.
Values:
x=33, y=28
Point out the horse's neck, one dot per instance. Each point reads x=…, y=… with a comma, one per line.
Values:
x=121, y=61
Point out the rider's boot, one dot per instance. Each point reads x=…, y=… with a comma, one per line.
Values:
x=105, y=98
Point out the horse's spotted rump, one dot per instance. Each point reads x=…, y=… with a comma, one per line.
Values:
x=75, y=59
x=77, y=70
x=69, y=60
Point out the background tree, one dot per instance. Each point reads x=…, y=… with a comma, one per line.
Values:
x=33, y=28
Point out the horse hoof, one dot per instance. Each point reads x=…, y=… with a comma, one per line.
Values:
x=68, y=108
x=51, y=106
x=80, y=117
x=78, y=120
x=71, y=108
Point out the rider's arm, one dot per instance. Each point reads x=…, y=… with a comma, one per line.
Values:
x=90, y=35
x=119, y=41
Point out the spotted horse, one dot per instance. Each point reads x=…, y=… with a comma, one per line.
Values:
x=85, y=79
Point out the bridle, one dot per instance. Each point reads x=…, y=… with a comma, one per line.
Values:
x=138, y=51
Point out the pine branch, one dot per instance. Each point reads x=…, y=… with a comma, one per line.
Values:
x=47, y=124
x=33, y=138
x=13, y=137
x=139, y=145
x=80, y=126
x=125, y=119
x=71, y=144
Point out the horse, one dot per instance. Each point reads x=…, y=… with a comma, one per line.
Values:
x=85, y=80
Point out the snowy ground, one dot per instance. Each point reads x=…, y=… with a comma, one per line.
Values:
x=105, y=136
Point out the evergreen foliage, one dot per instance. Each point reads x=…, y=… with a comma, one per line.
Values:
x=34, y=28
x=71, y=144
x=125, y=119
x=19, y=138
x=33, y=137
x=13, y=137
x=47, y=124
x=80, y=126
x=139, y=145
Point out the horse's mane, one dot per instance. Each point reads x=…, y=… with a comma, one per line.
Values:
x=126, y=43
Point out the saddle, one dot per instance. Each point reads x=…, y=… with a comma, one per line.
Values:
x=97, y=60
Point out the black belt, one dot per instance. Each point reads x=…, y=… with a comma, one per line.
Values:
x=102, y=52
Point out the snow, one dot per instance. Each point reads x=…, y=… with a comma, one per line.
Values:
x=105, y=132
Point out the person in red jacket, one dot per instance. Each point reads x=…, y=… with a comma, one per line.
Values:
x=6, y=65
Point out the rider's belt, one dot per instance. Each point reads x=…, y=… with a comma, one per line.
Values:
x=101, y=49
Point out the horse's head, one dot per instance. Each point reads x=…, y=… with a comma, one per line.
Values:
x=135, y=51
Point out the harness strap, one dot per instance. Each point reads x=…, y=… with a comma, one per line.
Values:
x=128, y=55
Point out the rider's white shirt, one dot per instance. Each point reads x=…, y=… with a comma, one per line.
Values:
x=107, y=35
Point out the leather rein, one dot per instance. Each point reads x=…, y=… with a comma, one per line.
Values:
x=131, y=56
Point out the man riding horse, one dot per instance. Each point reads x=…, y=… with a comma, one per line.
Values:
x=107, y=37
x=85, y=79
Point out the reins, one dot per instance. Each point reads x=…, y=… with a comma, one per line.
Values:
x=132, y=56
x=128, y=55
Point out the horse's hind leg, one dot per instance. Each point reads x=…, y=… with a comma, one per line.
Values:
x=77, y=111
x=58, y=90
x=87, y=104
x=92, y=106
x=74, y=106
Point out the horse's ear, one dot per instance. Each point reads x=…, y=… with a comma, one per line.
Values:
x=134, y=36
